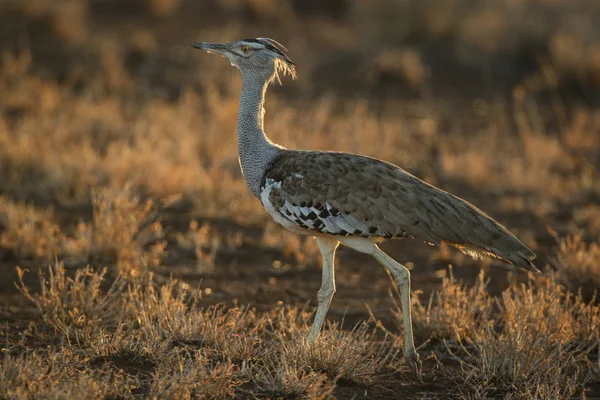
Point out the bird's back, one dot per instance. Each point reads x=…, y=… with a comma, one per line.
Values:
x=346, y=194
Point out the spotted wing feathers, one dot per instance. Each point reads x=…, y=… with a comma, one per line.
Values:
x=346, y=194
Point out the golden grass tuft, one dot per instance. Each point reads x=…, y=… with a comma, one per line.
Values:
x=76, y=308
x=287, y=377
x=124, y=231
x=59, y=375
x=29, y=233
x=194, y=376
x=355, y=356
x=172, y=312
x=578, y=265
x=454, y=311
x=536, y=345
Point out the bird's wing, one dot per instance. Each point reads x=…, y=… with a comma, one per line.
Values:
x=347, y=194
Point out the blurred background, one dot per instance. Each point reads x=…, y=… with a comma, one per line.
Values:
x=452, y=48
x=103, y=102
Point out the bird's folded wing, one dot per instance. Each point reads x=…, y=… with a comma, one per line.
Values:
x=347, y=194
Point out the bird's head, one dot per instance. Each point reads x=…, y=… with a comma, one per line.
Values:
x=262, y=56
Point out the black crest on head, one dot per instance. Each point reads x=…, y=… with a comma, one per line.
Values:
x=270, y=44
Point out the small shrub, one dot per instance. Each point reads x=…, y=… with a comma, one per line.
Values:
x=454, y=311
x=355, y=356
x=76, y=307
x=579, y=265
x=538, y=348
x=193, y=376
x=173, y=312
x=283, y=376
x=59, y=374
x=29, y=232
x=123, y=231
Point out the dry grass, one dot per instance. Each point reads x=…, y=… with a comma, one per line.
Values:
x=29, y=233
x=59, y=374
x=124, y=231
x=76, y=308
x=539, y=346
x=355, y=356
x=536, y=342
x=174, y=347
x=284, y=378
x=194, y=376
x=579, y=265
x=453, y=312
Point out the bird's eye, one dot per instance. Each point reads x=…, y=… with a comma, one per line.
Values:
x=246, y=48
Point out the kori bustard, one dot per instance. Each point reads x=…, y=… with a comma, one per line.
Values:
x=348, y=198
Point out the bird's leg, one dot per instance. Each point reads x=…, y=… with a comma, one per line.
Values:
x=327, y=246
x=402, y=277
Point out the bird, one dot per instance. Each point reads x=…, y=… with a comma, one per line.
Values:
x=347, y=198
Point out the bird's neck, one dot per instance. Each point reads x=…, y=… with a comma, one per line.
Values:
x=255, y=149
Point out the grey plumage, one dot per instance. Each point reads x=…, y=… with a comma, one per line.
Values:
x=347, y=198
x=379, y=200
x=256, y=151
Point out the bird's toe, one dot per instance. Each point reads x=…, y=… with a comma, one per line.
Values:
x=414, y=363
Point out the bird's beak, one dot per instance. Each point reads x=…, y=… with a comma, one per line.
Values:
x=216, y=48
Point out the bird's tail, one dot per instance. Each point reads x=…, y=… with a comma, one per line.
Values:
x=521, y=258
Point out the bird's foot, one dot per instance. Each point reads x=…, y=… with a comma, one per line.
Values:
x=412, y=357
